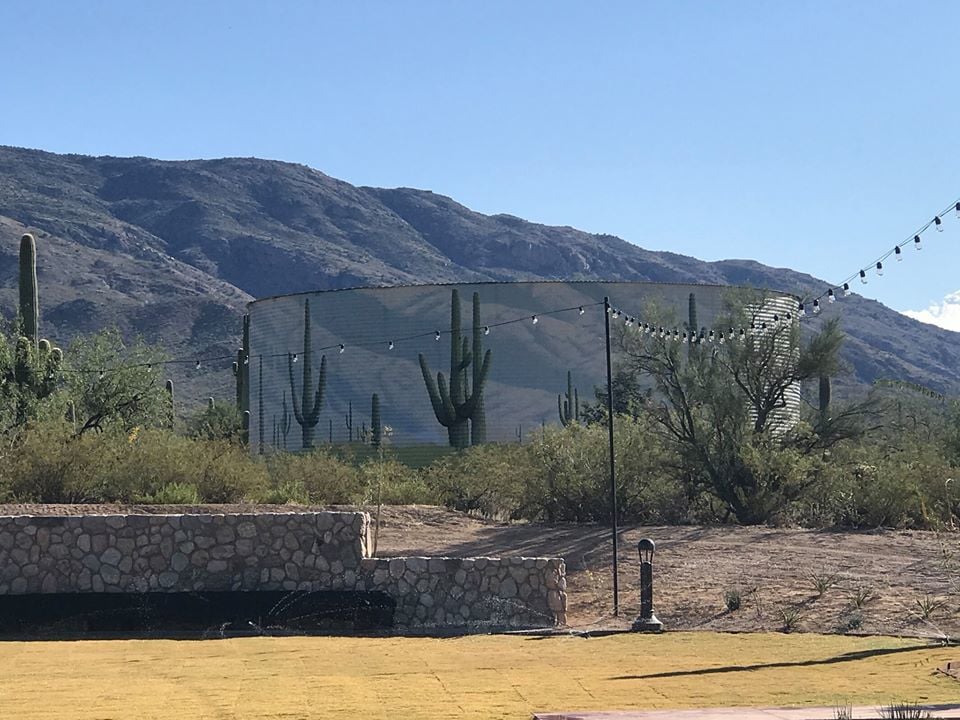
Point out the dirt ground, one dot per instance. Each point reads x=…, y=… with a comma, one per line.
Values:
x=886, y=582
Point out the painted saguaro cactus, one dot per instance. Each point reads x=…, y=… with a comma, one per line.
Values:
x=376, y=426
x=569, y=409
x=457, y=406
x=307, y=408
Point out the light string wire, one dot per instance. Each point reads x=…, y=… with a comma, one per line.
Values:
x=699, y=335
x=340, y=347
x=914, y=238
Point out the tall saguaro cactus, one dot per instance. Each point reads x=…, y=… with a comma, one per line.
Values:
x=376, y=426
x=29, y=295
x=456, y=404
x=569, y=409
x=824, y=399
x=307, y=409
x=693, y=326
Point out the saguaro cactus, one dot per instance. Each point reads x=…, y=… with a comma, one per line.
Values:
x=307, y=409
x=693, y=326
x=282, y=428
x=170, y=404
x=569, y=409
x=348, y=421
x=376, y=425
x=824, y=399
x=29, y=296
x=455, y=405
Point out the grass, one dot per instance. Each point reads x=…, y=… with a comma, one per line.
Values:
x=474, y=677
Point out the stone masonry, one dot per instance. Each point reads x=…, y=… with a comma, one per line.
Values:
x=273, y=551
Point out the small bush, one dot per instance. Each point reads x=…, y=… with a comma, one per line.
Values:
x=732, y=599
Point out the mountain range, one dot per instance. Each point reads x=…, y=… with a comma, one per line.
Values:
x=173, y=251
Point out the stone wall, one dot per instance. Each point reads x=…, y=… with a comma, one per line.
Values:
x=307, y=551
x=476, y=592
x=178, y=553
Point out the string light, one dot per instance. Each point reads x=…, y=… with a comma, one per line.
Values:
x=342, y=348
x=198, y=365
x=390, y=345
x=580, y=310
x=436, y=336
x=721, y=338
x=486, y=329
x=846, y=289
x=100, y=376
x=816, y=307
x=801, y=310
x=294, y=357
x=535, y=319
x=897, y=251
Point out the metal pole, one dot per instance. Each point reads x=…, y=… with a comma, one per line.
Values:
x=613, y=468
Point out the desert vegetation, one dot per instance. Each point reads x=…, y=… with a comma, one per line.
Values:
x=700, y=437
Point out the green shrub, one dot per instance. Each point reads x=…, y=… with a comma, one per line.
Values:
x=51, y=465
x=315, y=478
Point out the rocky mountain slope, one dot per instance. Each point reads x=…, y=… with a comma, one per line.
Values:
x=173, y=251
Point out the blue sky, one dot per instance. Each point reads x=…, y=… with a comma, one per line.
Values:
x=811, y=135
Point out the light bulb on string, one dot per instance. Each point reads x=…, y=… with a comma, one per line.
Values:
x=898, y=253
x=879, y=268
x=100, y=376
x=938, y=223
x=763, y=326
x=198, y=365
x=683, y=339
x=863, y=276
x=801, y=310
x=743, y=333
x=831, y=298
x=957, y=207
x=916, y=243
x=776, y=319
x=816, y=307
x=342, y=347
x=701, y=338
x=789, y=317
x=721, y=338
x=676, y=335
x=436, y=336
x=846, y=289
x=294, y=357
x=534, y=319
x=580, y=310
x=390, y=345
x=486, y=329
x=710, y=338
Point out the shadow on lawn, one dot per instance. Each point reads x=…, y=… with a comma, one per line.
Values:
x=845, y=657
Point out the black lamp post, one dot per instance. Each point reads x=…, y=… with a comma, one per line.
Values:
x=647, y=621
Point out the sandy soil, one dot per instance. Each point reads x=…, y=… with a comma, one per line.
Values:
x=776, y=571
